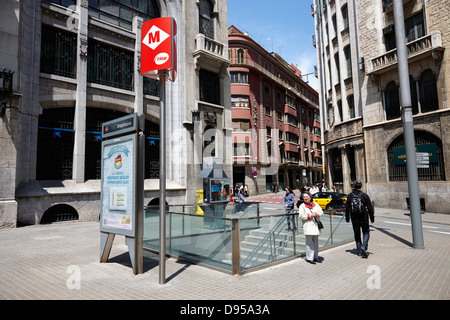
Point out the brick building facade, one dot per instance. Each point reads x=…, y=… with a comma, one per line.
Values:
x=276, y=121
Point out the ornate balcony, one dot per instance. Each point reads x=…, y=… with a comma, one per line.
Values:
x=206, y=48
x=429, y=45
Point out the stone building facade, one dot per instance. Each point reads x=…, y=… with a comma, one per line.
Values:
x=276, y=119
x=76, y=64
x=359, y=81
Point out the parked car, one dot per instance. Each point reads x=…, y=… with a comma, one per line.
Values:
x=330, y=200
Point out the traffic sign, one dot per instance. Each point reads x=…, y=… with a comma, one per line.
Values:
x=158, y=48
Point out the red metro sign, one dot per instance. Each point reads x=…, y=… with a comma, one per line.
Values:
x=158, y=48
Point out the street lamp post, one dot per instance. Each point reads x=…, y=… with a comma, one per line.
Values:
x=408, y=126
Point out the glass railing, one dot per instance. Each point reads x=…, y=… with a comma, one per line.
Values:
x=236, y=238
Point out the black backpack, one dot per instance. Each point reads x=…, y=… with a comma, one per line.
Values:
x=357, y=205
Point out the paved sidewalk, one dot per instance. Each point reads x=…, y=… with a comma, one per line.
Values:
x=61, y=261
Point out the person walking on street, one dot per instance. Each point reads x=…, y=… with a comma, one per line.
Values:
x=288, y=205
x=359, y=208
x=310, y=213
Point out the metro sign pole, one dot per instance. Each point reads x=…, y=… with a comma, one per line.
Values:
x=159, y=61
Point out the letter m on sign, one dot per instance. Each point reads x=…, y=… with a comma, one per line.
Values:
x=155, y=37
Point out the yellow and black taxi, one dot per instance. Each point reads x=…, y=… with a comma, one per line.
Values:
x=330, y=200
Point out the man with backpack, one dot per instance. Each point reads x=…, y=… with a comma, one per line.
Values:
x=360, y=209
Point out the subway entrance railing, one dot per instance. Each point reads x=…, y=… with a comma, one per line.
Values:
x=242, y=239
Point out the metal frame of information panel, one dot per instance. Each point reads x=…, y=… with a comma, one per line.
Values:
x=122, y=188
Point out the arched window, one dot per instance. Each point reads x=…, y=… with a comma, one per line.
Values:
x=240, y=56
x=425, y=143
x=58, y=213
x=392, y=101
x=428, y=91
x=206, y=18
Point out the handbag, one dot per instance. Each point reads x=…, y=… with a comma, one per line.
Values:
x=319, y=223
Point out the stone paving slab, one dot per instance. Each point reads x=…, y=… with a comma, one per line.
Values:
x=61, y=262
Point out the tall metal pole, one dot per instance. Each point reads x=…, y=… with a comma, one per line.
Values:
x=408, y=126
x=162, y=179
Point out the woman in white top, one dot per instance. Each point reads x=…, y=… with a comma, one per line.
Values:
x=310, y=212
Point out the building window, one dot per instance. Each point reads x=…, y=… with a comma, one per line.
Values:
x=291, y=102
x=428, y=91
x=209, y=87
x=279, y=116
x=206, y=18
x=122, y=12
x=65, y=3
x=241, y=149
x=344, y=12
x=414, y=29
x=339, y=105
x=110, y=66
x=55, y=144
x=348, y=60
x=425, y=142
x=351, y=106
x=338, y=69
x=392, y=101
x=59, y=213
x=240, y=56
x=290, y=119
x=239, y=101
x=94, y=120
x=58, y=52
x=292, y=156
x=413, y=90
x=151, y=86
x=239, y=77
x=292, y=137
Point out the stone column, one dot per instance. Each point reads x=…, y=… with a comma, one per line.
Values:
x=79, y=149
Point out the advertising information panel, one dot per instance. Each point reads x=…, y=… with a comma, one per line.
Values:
x=122, y=187
x=118, y=165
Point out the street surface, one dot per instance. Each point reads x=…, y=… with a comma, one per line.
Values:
x=61, y=261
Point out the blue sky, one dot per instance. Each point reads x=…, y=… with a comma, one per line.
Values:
x=288, y=23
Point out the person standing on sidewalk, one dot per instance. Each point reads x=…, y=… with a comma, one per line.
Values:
x=288, y=205
x=310, y=212
x=359, y=208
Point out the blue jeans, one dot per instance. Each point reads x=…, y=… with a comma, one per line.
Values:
x=290, y=218
x=358, y=226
